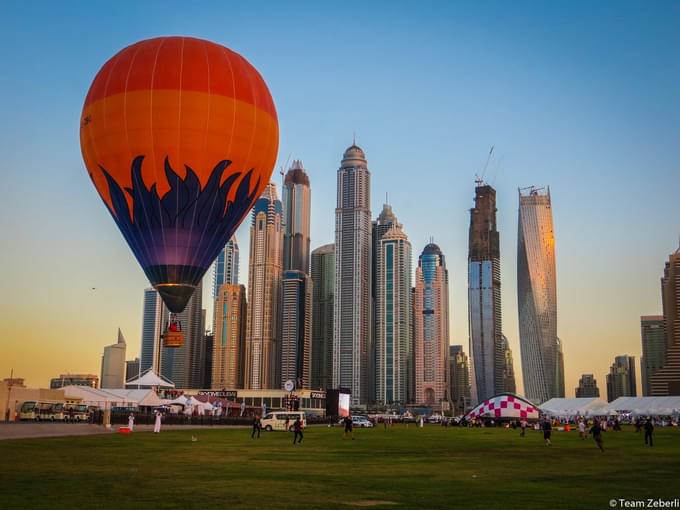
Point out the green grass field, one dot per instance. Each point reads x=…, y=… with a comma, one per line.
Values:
x=403, y=467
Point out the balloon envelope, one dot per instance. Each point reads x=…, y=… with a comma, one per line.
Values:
x=179, y=136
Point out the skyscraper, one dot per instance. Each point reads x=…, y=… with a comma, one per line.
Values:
x=666, y=380
x=229, y=337
x=132, y=369
x=484, y=297
x=621, y=378
x=296, y=219
x=264, y=285
x=587, y=387
x=508, y=367
x=459, y=379
x=184, y=365
x=113, y=364
x=296, y=328
x=385, y=220
x=154, y=318
x=296, y=286
x=653, y=335
x=352, y=318
x=323, y=293
x=226, y=266
x=542, y=363
x=431, y=318
x=393, y=316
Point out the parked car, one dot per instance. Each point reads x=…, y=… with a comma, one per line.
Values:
x=361, y=421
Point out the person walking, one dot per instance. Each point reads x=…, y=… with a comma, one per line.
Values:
x=522, y=428
x=547, y=432
x=649, y=428
x=157, y=423
x=348, y=427
x=131, y=422
x=596, y=431
x=297, y=427
x=257, y=426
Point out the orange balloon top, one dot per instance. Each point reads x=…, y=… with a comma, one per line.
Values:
x=184, y=63
x=189, y=101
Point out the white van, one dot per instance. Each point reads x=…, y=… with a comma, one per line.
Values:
x=282, y=420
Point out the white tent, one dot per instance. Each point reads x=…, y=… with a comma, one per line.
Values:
x=646, y=406
x=112, y=397
x=150, y=378
x=574, y=407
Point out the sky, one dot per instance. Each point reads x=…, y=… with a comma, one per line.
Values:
x=583, y=97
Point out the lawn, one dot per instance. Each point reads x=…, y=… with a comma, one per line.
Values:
x=433, y=467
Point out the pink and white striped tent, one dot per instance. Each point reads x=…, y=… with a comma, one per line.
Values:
x=505, y=406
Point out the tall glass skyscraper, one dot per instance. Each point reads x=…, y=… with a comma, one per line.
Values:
x=226, y=266
x=154, y=318
x=323, y=296
x=352, y=318
x=484, y=298
x=394, y=317
x=263, y=324
x=542, y=362
x=431, y=318
x=621, y=378
x=653, y=335
x=296, y=329
x=296, y=286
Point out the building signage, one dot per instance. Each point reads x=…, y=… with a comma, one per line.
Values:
x=318, y=394
x=219, y=393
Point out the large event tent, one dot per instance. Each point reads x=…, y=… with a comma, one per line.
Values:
x=150, y=379
x=106, y=398
x=574, y=407
x=505, y=406
x=645, y=406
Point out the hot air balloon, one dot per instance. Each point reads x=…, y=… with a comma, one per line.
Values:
x=179, y=136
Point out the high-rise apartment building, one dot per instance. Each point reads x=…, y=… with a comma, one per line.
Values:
x=653, y=335
x=323, y=295
x=666, y=380
x=621, y=378
x=385, y=220
x=484, y=298
x=352, y=341
x=542, y=362
x=132, y=369
x=263, y=323
x=229, y=337
x=508, y=367
x=459, y=377
x=113, y=364
x=587, y=387
x=296, y=329
x=226, y=266
x=393, y=317
x=431, y=318
x=296, y=219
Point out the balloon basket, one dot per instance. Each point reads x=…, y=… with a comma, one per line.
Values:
x=173, y=339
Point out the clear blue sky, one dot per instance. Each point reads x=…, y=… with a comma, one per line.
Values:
x=581, y=96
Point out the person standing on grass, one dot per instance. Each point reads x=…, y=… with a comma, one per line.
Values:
x=157, y=423
x=582, y=429
x=131, y=422
x=257, y=426
x=547, y=432
x=348, y=427
x=596, y=431
x=297, y=427
x=522, y=428
x=649, y=429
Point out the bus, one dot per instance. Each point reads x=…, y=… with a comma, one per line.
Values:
x=42, y=410
x=76, y=412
